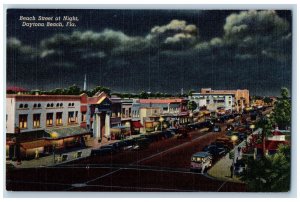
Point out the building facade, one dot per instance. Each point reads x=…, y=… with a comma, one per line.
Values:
x=227, y=100
x=26, y=113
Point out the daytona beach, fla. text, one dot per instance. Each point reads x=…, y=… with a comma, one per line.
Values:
x=41, y=24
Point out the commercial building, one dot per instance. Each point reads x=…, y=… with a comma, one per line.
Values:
x=174, y=110
x=45, y=121
x=221, y=100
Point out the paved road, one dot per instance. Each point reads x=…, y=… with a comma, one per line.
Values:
x=164, y=166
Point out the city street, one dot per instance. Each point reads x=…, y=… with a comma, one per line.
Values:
x=163, y=166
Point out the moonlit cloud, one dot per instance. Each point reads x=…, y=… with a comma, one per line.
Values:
x=250, y=39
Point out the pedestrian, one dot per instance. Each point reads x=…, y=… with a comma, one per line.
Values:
x=231, y=170
x=36, y=154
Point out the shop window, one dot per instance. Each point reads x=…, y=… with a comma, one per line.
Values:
x=59, y=118
x=76, y=117
x=36, y=120
x=23, y=121
x=49, y=119
x=71, y=117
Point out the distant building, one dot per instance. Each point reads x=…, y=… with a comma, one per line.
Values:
x=228, y=100
x=174, y=106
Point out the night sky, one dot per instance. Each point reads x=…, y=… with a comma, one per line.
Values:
x=153, y=50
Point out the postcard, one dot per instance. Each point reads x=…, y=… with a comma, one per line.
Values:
x=148, y=100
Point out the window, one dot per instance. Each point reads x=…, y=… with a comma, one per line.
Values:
x=76, y=117
x=23, y=121
x=39, y=105
x=83, y=117
x=71, y=117
x=72, y=104
x=69, y=104
x=25, y=105
x=35, y=105
x=61, y=104
x=57, y=104
x=49, y=119
x=52, y=104
x=48, y=105
x=129, y=111
x=21, y=106
x=59, y=118
x=36, y=120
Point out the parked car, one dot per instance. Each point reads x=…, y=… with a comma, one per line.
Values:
x=141, y=144
x=216, y=128
x=222, y=144
x=214, y=150
x=102, y=151
x=229, y=127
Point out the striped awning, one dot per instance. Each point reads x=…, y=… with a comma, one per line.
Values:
x=58, y=133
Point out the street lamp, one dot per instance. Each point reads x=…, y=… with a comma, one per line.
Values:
x=191, y=117
x=161, y=119
x=234, y=138
x=252, y=126
x=53, y=135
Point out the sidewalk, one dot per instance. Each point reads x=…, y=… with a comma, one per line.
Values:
x=72, y=155
x=221, y=170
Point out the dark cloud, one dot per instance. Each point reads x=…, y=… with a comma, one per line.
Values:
x=170, y=56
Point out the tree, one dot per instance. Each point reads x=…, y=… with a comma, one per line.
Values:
x=73, y=90
x=266, y=124
x=282, y=110
x=191, y=92
x=192, y=105
x=143, y=95
x=99, y=89
x=267, y=100
x=269, y=174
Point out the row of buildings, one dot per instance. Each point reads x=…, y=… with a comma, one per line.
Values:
x=42, y=122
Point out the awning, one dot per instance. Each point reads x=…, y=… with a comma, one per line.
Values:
x=35, y=144
x=120, y=127
x=137, y=124
x=28, y=136
x=58, y=133
x=277, y=132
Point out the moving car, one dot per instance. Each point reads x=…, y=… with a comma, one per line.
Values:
x=201, y=161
